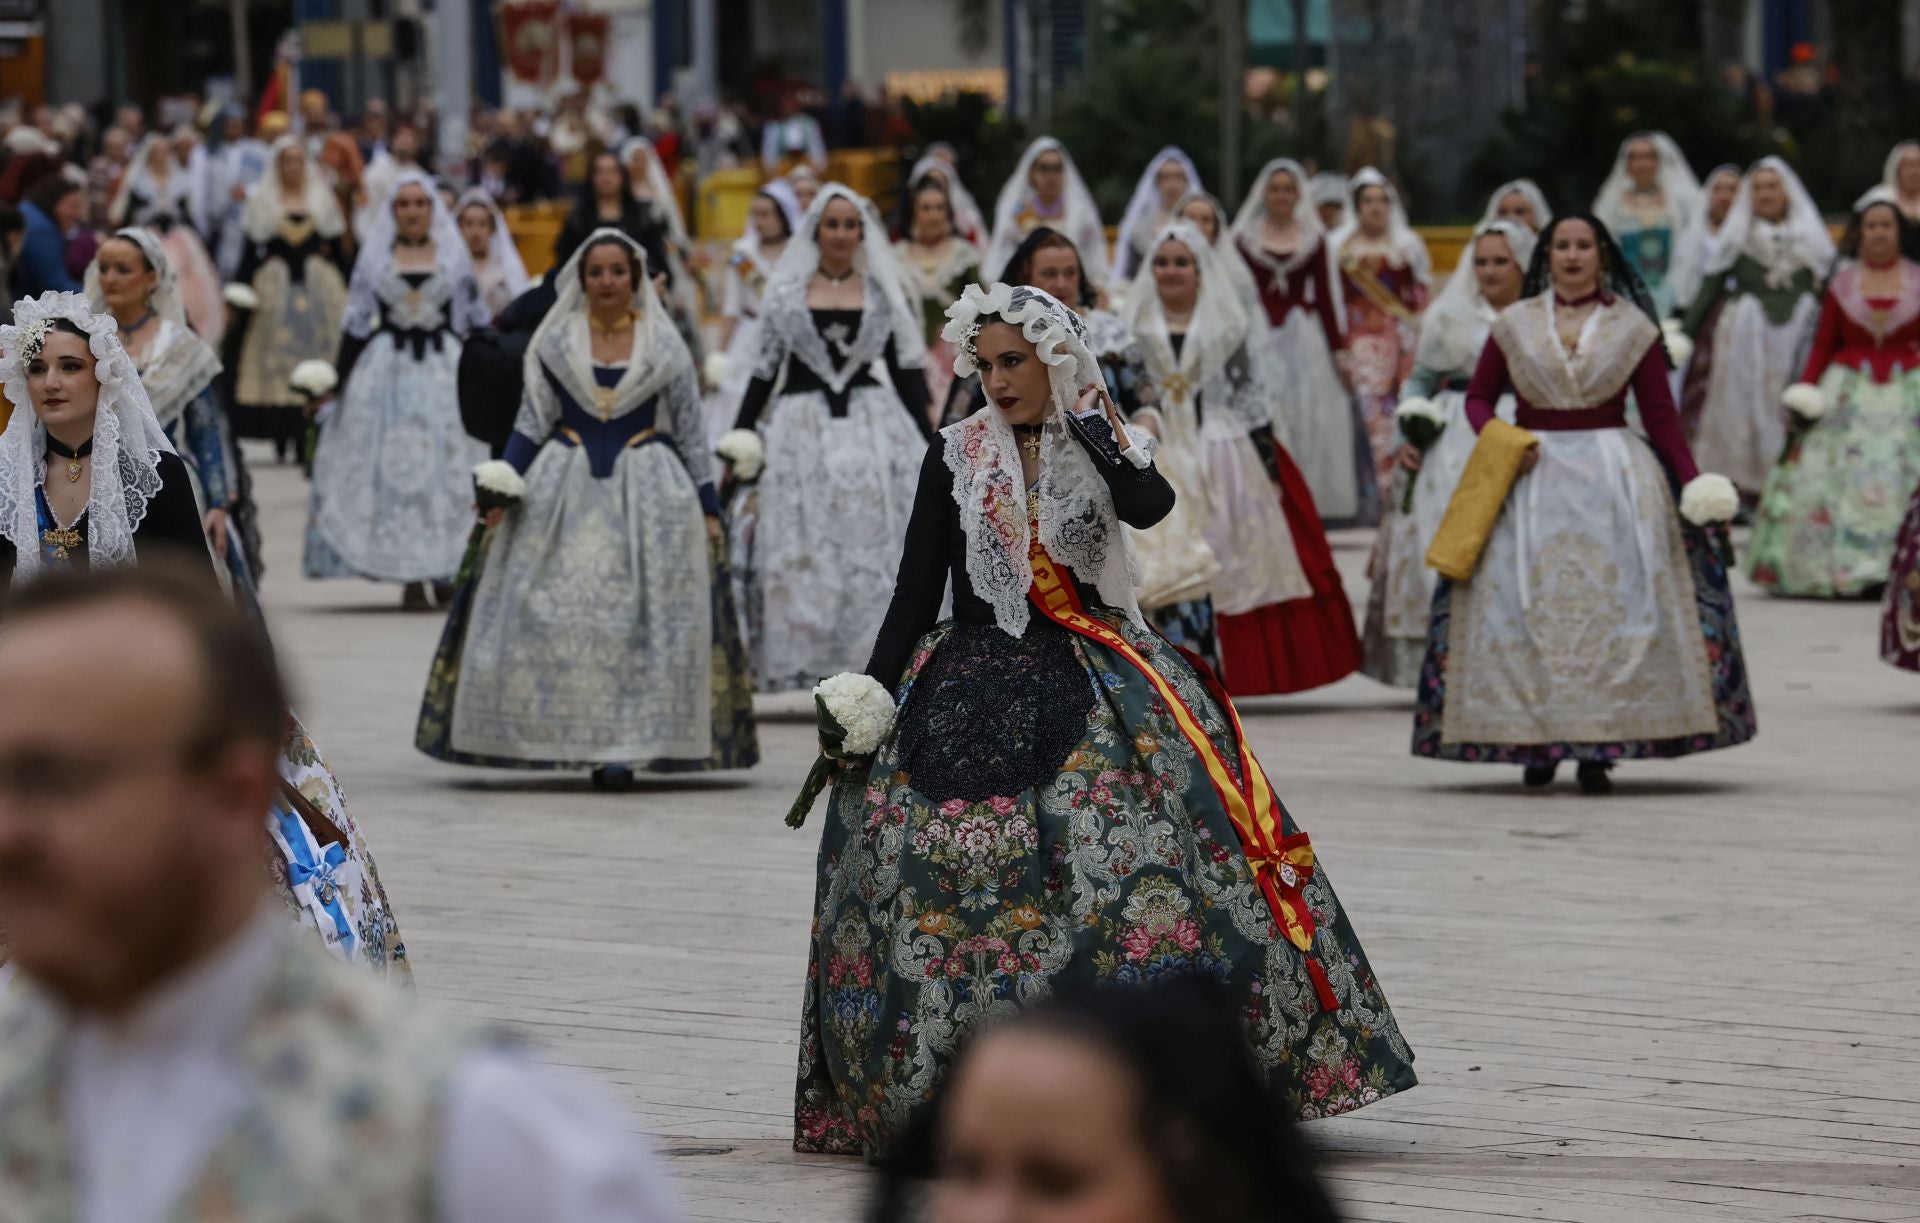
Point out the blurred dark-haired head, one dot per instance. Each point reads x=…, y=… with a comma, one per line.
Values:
x=1048, y=259
x=1107, y=1106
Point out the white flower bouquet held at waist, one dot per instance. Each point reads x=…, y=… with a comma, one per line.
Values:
x=240, y=296
x=1709, y=499
x=1421, y=422
x=1679, y=347
x=497, y=486
x=314, y=378
x=855, y=713
x=1807, y=402
x=741, y=450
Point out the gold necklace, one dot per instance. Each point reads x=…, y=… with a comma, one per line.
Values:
x=614, y=328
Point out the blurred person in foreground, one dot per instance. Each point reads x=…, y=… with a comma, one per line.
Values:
x=1117, y=1105
x=172, y=1046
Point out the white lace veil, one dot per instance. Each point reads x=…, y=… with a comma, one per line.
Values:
x=1225, y=250
x=1678, y=187
x=267, y=203
x=1402, y=241
x=1306, y=215
x=503, y=255
x=127, y=440
x=164, y=301
x=564, y=342
x=1328, y=187
x=1078, y=526
x=1889, y=176
x=967, y=218
x=1081, y=215
x=874, y=261
x=175, y=199
x=1542, y=211
x=449, y=256
x=658, y=183
x=1217, y=330
x=1699, y=242
x=1800, y=240
x=1143, y=210
x=1454, y=328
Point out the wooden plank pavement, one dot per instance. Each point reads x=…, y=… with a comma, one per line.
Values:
x=1699, y=999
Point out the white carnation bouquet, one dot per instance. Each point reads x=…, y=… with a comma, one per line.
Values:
x=497, y=486
x=1807, y=402
x=714, y=369
x=1679, y=347
x=743, y=453
x=314, y=378
x=855, y=713
x=240, y=296
x=1421, y=423
x=1709, y=499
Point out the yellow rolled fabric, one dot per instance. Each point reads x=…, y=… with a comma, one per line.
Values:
x=1477, y=499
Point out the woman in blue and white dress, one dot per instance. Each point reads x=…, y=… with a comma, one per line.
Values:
x=593, y=626
x=771, y=220
x=1647, y=202
x=132, y=279
x=392, y=493
x=842, y=447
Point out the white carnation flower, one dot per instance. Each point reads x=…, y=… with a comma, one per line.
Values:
x=1709, y=498
x=314, y=378
x=743, y=452
x=1805, y=400
x=1418, y=408
x=241, y=297
x=498, y=476
x=714, y=368
x=1679, y=347
x=862, y=706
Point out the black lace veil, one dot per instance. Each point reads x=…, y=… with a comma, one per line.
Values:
x=1616, y=274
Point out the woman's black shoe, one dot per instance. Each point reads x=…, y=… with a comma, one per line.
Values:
x=613, y=778
x=1538, y=775
x=1595, y=779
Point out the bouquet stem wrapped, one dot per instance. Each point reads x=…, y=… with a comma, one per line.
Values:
x=1421, y=423
x=497, y=486
x=855, y=712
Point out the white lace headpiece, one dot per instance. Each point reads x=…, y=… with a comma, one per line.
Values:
x=175, y=199
x=874, y=261
x=1080, y=218
x=1536, y=199
x=967, y=217
x=658, y=183
x=1454, y=328
x=1078, y=526
x=1327, y=187
x=1798, y=240
x=1679, y=189
x=268, y=203
x=1224, y=250
x=1306, y=215
x=1889, y=176
x=1405, y=244
x=503, y=255
x=1217, y=330
x=164, y=301
x=376, y=254
x=1699, y=243
x=1143, y=209
x=127, y=440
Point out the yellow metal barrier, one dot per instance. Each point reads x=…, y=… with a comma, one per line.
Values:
x=535, y=228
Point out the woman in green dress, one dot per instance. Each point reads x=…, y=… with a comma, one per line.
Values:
x=1826, y=524
x=1060, y=798
x=1765, y=266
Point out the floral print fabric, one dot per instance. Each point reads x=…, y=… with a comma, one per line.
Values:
x=1122, y=868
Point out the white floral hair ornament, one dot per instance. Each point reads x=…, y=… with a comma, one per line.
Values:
x=1047, y=324
x=127, y=439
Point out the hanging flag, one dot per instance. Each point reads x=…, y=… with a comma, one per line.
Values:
x=587, y=37
x=530, y=35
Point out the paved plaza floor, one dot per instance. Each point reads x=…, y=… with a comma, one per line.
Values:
x=1697, y=999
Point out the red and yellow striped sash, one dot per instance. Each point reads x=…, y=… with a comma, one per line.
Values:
x=1281, y=864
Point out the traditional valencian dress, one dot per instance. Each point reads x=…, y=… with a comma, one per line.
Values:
x=594, y=626
x=1599, y=625
x=1278, y=614
x=317, y=860
x=1384, y=294
x=1400, y=600
x=1648, y=224
x=1300, y=301
x=292, y=262
x=392, y=484
x=1018, y=212
x=1900, y=611
x=1768, y=275
x=748, y=269
x=1062, y=799
x=1699, y=246
x=934, y=281
x=841, y=451
x=1827, y=523
x=166, y=205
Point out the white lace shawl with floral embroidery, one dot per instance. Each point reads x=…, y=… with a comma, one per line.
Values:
x=1078, y=525
x=127, y=440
